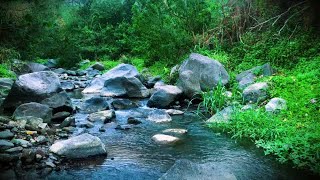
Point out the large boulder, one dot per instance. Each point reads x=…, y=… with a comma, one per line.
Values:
x=255, y=92
x=95, y=104
x=122, y=70
x=187, y=170
x=35, y=110
x=275, y=105
x=164, y=96
x=59, y=102
x=82, y=146
x=119, y=104
x=248, y=77
x=199, y=73
x=33, y=87
x=124, y=87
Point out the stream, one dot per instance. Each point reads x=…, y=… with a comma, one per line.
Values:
x=133, y=155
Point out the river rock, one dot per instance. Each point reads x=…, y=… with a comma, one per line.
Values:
x=124, y=87
x=255, y=93
x=164, y=139
x=69, y=121
x=275, y=105
x=248, y=77
x=59, y=102
x=33, y=87
x=187, y=170
x=102, y=116
x=152, y=81
x=95, y=104
x=35, y=110
x=67, y=85
x=159, y=116
x=119, y=104
x=59, y=71
x=60, y=116
x=222, y=116
x=7, y=134
x=14, y=150
x=122, y=70
x=21, y=142
x=200, y=73
x=4, y=144
x=175, y=131
x=164, y=96
x=30, y=123
x=5, y=86
x=132, y=120
x=98, y=66
x=81, y=146
x=174, y=112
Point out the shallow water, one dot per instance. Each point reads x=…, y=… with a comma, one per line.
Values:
x=133, y=155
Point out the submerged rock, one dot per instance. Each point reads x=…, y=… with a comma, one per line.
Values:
x=82, y=146
x=102, y=116
x=164, y=139
x=159, y=116
x=123, y=104
x=199, y=73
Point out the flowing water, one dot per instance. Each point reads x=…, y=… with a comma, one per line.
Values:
x=133, y=155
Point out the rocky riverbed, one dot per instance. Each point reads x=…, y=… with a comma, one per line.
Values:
x=123, y=124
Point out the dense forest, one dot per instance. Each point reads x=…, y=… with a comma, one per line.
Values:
x=159, y=34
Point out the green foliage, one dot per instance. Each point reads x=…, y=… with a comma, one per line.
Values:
x=293, y=136
x=214, y=100
x=7, y=55
x=5, y=72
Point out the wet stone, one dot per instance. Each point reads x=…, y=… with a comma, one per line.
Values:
x=7, y=134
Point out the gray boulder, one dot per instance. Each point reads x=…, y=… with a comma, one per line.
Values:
x=102, y=116
x=275, y=105
x=33, y=87
x=5, y=86
x=35, y=110
x=95, y=104
x=123, y=104
x=187, y=170
x=255, y=93
x=67, y=85
x=59, y=102
x=248, y=77
x=124, y=87
x=4, y=144
x=159, y=116
x=82, y=146
x=164, y=96
x=98, y=66
x=200, y=73
x=122, y=70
